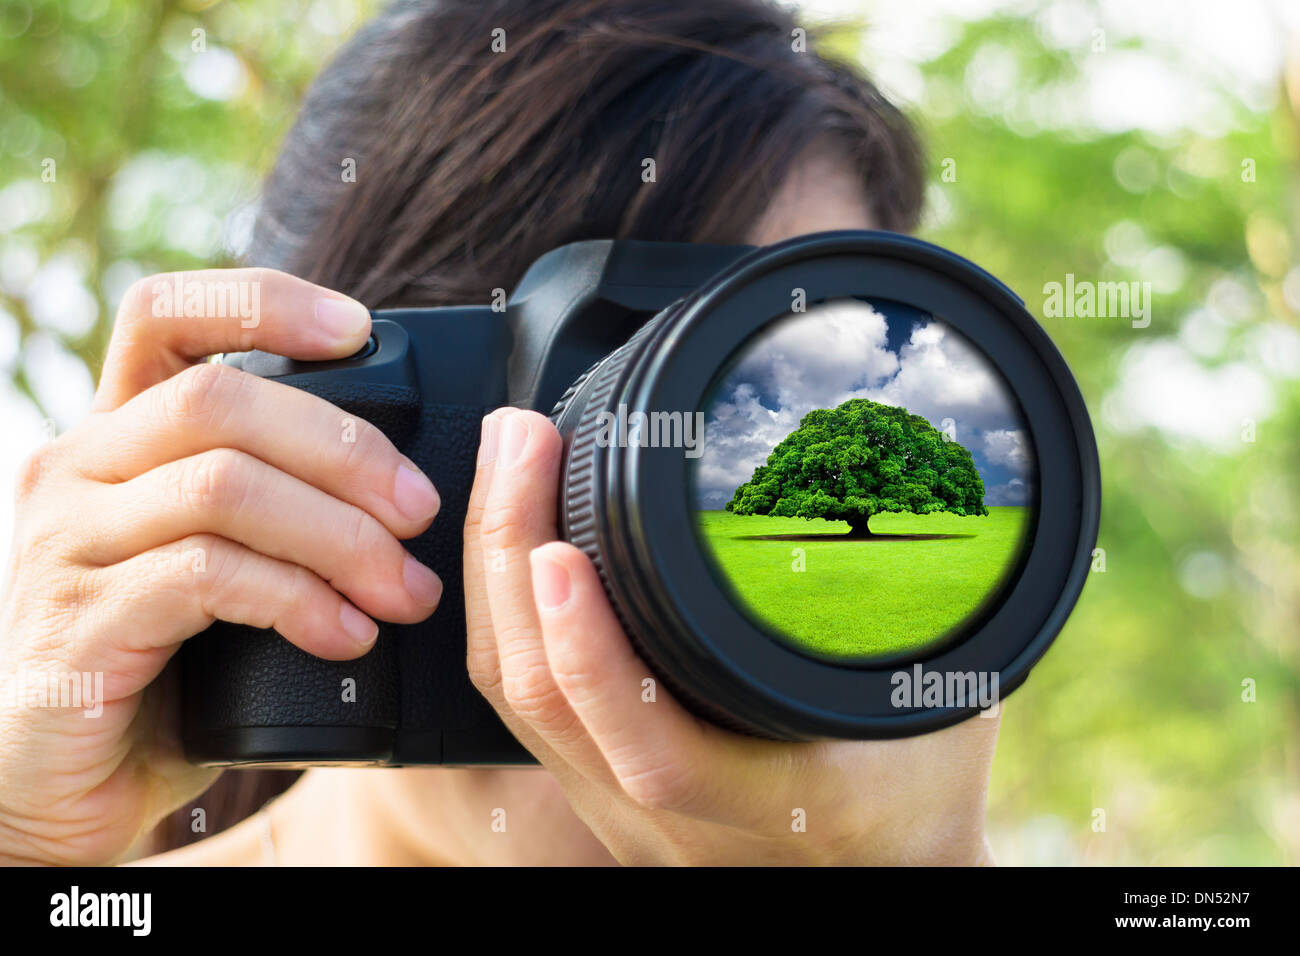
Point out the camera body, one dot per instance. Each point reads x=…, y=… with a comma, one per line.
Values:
x=426, y=378
x=605, y=330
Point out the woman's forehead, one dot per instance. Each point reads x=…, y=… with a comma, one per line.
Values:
x=822, y=192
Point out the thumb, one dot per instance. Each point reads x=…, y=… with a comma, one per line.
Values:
x=169, y=321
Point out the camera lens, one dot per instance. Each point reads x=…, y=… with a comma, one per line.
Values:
x=865, y=479
x=848, y=463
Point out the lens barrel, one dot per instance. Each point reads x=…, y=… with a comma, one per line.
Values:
x=624, y=501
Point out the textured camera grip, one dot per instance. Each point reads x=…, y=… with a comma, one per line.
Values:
x=235, y=677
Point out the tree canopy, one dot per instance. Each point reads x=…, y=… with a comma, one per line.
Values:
x=860, y=459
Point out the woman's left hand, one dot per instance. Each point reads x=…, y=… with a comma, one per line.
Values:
x=654, y=783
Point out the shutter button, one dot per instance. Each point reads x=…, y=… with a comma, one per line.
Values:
x=367, y=350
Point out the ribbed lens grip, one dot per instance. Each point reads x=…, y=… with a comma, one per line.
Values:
x=581, y=512
x=596, y=387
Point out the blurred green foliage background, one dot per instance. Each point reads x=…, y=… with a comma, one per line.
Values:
x=1156, y=144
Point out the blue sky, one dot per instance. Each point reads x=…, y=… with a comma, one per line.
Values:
x=885, y=351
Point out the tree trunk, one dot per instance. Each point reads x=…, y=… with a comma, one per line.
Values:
x=858, y=527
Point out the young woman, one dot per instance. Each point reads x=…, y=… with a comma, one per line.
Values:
x=482, y=135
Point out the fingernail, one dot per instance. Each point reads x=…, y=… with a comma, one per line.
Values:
x=487, y=446
x=341, y=319
x=359, y=627
x=414, y=494
x=421, y=583
x=514, y=435
x=550, y=582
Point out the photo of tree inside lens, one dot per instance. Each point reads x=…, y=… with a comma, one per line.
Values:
x=867, y=481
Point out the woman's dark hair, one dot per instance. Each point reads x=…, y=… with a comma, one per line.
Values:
x=484, y=133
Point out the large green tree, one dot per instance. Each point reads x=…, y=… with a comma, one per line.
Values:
x=857, y=460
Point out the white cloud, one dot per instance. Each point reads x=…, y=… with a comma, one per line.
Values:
x=815, y=360
x=1007, y=446
x=739, y=434
x=1013, y=492
x=941, y=376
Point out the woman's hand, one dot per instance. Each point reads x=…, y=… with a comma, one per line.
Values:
x=656, y=784
x=193, y=492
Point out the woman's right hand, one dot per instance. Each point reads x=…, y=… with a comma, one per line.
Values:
x=192, y=492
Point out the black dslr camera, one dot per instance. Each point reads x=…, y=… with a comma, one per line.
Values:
x=839, y=487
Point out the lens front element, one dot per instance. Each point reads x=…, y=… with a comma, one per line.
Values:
x=866, y=482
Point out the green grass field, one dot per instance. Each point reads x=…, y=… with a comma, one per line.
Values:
x=864, y=597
